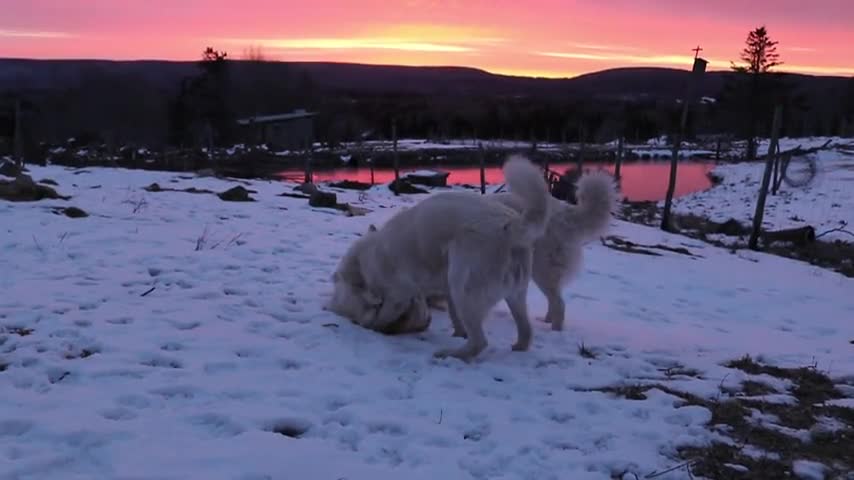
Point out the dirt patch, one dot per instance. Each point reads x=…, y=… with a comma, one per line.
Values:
x=760, y=439
x=24, y=189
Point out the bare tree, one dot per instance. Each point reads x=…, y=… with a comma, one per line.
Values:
x=254, y=53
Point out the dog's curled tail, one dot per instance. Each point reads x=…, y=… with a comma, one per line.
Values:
x=598, y=199
x=526, y=181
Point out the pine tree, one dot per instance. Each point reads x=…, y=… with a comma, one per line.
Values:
x=756, y=88
x=760, y=54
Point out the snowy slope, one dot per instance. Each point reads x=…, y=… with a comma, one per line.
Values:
x=195, y=378
x=825, y=203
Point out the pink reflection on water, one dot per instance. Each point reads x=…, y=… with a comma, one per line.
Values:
x=640, y=180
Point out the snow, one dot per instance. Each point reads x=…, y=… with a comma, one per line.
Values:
x=826, y=203
x=106, y=378
x=808, y=470
x=423, y=173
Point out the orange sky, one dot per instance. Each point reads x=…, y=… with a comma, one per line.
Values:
x=540, y=37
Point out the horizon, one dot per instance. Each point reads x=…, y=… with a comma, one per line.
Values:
x=386, y=65
x=544, y=39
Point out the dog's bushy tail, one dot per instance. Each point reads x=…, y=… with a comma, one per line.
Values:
x=597, y=201
x=526, y=181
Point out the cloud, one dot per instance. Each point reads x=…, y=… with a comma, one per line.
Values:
x=355, y=44
x=684, y=60
x=404, y=37
x=607, y=48
x=32, y=34
x=802, y=49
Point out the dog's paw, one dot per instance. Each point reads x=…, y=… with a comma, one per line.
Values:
x=459, y=333
x=459, y=354
x=521, y=346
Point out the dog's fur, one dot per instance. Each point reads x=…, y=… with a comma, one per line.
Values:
x=462, y=246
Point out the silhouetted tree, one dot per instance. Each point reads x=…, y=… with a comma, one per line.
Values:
x=202, y=109
x=752, y=93
x=848, y=109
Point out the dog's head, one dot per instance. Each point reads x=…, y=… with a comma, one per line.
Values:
x=368, y=305
x=351, y=296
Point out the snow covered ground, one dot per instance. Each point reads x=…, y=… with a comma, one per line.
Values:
x=173, y=335
x=824, y=203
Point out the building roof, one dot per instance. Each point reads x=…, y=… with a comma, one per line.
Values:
x=281, y=117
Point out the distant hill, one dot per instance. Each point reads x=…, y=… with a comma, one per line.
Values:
x=133, y=100
x=373, y=79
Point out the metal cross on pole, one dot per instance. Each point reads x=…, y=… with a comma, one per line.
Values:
x=696, y=51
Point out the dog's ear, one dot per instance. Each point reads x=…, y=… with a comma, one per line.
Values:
x=372, y=228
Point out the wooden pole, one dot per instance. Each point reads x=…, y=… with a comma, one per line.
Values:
x=776, y=173
x=482, y=169
x=580, y=159
x=674, y=165
x=396, y=159
x=699, y=68
x=753, y=244
x=371, y=163
x=19, y=136
x=563, y=148
x=619, y=162
x=308, y=174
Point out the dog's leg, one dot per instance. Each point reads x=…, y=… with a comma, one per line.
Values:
x=557, y=308
x=459, y=329
x=471, y=316
x=518, y=304
x=550, y=285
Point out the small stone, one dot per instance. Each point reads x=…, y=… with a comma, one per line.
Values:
x=236, y=194
x=74, y=212
x=320, y=199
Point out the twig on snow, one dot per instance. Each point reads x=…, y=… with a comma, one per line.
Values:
x=38, y=245
x=687, y=465
x=840, y=229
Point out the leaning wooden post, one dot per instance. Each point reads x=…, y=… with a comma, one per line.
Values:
x=482, y=160
x=699, y=68
x=753, y=244
x=580, y=159
x=396, y=159
x=619, y=161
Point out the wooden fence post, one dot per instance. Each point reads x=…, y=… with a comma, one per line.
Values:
x=480, y=154
x=753, y=244
x=19, y=136
x=396, y=159
x=619, y=161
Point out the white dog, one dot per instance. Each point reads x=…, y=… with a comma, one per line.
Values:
x=558, y=253
x=458, y=245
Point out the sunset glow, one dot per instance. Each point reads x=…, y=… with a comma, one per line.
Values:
x=549, y=38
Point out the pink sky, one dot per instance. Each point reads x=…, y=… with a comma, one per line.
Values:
x=539, y=37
